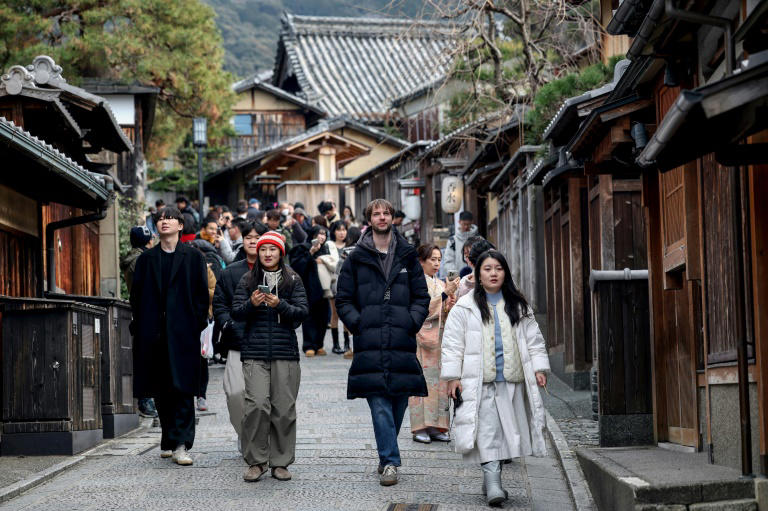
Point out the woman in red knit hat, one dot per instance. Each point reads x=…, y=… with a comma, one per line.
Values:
x=271, y=300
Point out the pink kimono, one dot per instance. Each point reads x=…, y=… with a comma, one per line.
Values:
x=431, y=411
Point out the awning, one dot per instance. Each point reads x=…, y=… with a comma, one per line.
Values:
x=709, y=119
x=36, y=169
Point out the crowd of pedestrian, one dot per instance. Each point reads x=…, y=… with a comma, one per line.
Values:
x=253, y=276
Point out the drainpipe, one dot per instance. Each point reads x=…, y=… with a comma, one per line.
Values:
x=609, y=275
x=52, y=227
x=703, y=19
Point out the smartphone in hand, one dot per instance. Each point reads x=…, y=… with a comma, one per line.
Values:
x=264, y=289
x=453, y=275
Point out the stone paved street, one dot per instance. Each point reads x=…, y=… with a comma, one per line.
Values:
x=335, y=467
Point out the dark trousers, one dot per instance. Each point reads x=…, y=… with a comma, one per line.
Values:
x=387, y=414
x=177, y=418
x=314, y=327
x=203, y=377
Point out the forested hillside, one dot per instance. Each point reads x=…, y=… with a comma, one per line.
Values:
x=250, y=27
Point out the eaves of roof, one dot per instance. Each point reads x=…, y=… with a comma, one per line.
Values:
x=322, y=126
x=536, y=174
x=389, y=162
x=461, y=130
x=99, y=86
x=648, y=28
x=562, y=120
x=92, y=184
x=589, y=123
x=515, y=160
x=254, y=83
x=628, y=17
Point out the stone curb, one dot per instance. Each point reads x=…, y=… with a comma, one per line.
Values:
x=16, y=489
x=577, y=483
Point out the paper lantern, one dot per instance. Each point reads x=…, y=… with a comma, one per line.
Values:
x=452, y=194
x=412, y=207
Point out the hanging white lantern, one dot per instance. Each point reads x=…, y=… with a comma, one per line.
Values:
x=412, y=207
x=452, y=194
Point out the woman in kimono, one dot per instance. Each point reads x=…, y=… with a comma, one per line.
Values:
x=493, y=353
x=430, y=415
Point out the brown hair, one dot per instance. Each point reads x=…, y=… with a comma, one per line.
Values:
x=320, y=220
x=378, y=203
x=425, y=251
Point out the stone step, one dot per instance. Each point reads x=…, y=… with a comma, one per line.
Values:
x=723, y=505
x=655, y=479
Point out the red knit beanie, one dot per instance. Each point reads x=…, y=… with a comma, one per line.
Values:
x=273, y=238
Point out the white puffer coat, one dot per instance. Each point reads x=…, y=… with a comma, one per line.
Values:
x=462, y=357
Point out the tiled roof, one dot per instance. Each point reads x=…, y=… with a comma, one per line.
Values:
x=94, y=184
x=358, y=66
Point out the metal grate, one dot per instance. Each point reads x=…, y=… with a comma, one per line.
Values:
x=86, y=340
x=127, y=382
x=89, y=403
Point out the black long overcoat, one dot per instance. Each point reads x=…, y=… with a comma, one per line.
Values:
x=383, y=313
x=186, y=311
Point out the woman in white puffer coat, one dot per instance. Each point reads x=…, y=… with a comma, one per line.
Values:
x=494, y=354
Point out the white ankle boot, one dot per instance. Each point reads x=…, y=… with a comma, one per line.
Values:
x=494, y=493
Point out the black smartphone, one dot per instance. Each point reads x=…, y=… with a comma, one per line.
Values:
x=264, y=289
x=457, y=400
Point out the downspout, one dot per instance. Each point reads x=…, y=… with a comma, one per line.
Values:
x=703, y=19
x=52, y=227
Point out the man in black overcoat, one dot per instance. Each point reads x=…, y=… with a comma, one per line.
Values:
x=169, y=299
x=383, y=299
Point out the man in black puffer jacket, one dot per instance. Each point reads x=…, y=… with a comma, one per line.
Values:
x=383, y=299
x=233, y=332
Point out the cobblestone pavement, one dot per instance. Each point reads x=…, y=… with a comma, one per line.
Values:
x=335, y=467
x=572, y=409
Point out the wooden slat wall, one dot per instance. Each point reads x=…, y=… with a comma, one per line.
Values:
x=77, y=262
x=720, y=251
x=19, y=264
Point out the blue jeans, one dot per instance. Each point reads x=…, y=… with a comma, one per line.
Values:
x=387, y=414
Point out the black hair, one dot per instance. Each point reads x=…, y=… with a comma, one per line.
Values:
x=399, y=214
x=335, y=226
x=466, y=215
x=315, y=230
x=273, y=214
x=477, y=250
x=159, y=203
x=225, y=209
x=183, y=199
x=353, y=235
x=324, y=207
x=210, y=219
x=171, y=212
x=242, y=224
x=515, y=304
x=259, y=227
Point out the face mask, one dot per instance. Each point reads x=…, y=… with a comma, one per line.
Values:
x=285, y=212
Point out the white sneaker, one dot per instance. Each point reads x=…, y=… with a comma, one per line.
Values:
x=422, y=437
x=181, y=456
x=166, y=454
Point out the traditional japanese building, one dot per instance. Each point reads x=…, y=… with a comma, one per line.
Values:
x=357, y=67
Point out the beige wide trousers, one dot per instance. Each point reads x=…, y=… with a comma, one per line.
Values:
x=269, y=424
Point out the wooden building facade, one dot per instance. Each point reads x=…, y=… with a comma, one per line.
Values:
x=682, y=137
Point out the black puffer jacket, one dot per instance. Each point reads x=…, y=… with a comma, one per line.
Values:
x=270, y=332
x=232, y=332
x=384, y=315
